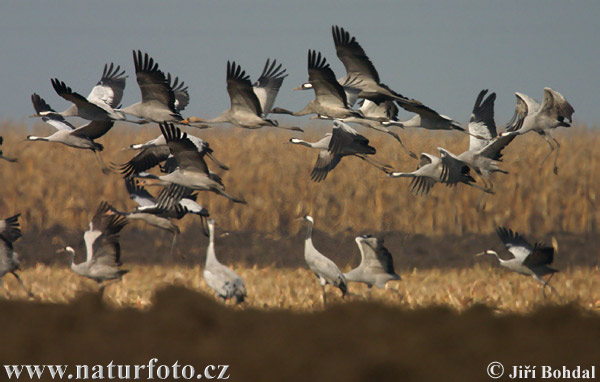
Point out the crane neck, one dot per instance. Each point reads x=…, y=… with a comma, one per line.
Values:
x=211, y=257
x=309, y=232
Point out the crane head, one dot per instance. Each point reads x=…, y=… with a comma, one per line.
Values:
x=304, y=86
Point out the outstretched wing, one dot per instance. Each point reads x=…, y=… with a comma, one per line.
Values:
x=145, y=160
x=556, y=106
x=109, y=90
x=326, y=161
x=514, y=243
x=376, y=256
x=182, y=97
x=541, y=255
x=241, y=93
x=352, y=55
x=80, y=101
x=343, y=137
x=482, y=121
x=152, y=81
x=94, y=129
x=10, y=230
x=327, y=88
x=48, y=114
x=268, y=84
x=183, y=149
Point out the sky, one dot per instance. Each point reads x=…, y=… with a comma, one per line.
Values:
x=441, y=53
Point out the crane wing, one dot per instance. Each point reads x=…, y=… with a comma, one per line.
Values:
x=152, y=81
x=514, y=243
x=327, y=88
x=541, y=255
x=109, y=90
x=482, y=121
x=268, y=85
x=50, y=116
x=183, y=149
x=10, y=230
x=241, y=92
x=182, y=97
x=352, y=55
x=326, y=161
x=80, y=101
x=93, y=129
x=145, y=160
x=556, y=106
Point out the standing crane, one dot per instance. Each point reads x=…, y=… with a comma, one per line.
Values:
x=325, y=269
x=376, y=263
x=103, y=261
x=9, y=259
x=527, y=260
x=221, y=279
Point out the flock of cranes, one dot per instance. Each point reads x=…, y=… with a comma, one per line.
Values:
x=359, y=97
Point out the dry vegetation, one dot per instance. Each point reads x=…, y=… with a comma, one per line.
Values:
x=56, y=185
x=53, y=185
x=298, y=289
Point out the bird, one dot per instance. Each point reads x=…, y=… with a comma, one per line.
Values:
x=484, y=155
x=553, y=112
x=158, y=211
x=100, y=104
x=360, y=68
x=80, y=138
x=103, y=260
x=156, y=151
x=376, y=263
x=342, y=141
x=158, y=98
x=431, y=170
x=9, y=159
x=10, y=231
x=374, y=117
x=250, y=104
x=527, y=260
x=191, y=171
x=330, y=98
x=325, y=269
x=221, y=279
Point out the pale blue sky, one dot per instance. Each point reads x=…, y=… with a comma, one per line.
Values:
x=441, y=53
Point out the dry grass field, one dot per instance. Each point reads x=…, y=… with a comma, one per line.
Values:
x=56, y=186
x=298, y=289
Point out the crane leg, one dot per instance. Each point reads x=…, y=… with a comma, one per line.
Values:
x=105, y=169
x=382, y=166
x=217, y=162
x=29, y=294
x=324, y=296
x=173, y=245
x=482, y=201
x=232, y=198
x=556, y=156
x=397, y=137
x=6, y=290
x=549, y=141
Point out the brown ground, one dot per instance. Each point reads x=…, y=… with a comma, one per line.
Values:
x=350, y=342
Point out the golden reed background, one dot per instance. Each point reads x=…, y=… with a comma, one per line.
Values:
x=56, y=185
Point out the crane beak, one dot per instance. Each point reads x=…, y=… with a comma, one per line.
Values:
x=480, y=254
x=298, y=88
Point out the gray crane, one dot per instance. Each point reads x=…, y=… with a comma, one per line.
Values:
x=543, y=119
x=360, y=71
x=10, y=232
x=376, y=263
x=156, y=151
x=103, y=261
x=431, y=170
x=158, y=98
x=80, y=138
x=158, y=212
x=221, y=279
x=191, y=171
x=342, y=141
x=325, y=269
x=377, y=117
x=484, y=155
x=100, y=103
x=330, y=98
x=9, y=159
x=250, y=104
x=527, y=260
